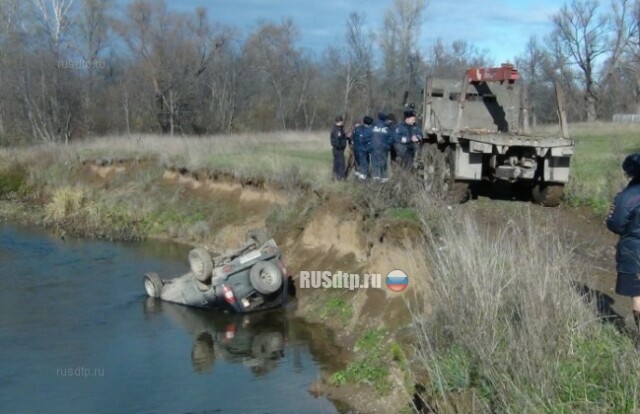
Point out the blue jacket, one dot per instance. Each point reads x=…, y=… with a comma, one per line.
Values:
x=382, y=138
x=362, y=137
x=404, y=132
x=624, y=220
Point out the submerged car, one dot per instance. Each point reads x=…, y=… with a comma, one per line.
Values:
x=248, y=279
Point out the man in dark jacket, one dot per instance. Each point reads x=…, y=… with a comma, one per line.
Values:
x=624, y=220
x=392, y=123
x=381, y=141
x=338, y=144
x=407, y=138
x=362, y=147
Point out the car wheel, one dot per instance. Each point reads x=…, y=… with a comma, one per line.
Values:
x=201, y=264
x=267, y=344
x=153, y=285
x=265, y=277
x=202, y=287
x=258, y=236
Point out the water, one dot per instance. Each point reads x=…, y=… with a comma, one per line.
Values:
x=77, y=334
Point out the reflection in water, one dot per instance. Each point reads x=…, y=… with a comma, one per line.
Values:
x=256, y=341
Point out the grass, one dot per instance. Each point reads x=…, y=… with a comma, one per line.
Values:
x=13, y=178
x=504, y=319
x=337, y=307
x=371, y=364
x=596, y=173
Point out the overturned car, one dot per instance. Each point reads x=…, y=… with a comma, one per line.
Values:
x=248, y=279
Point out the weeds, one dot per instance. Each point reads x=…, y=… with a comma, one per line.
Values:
x=370, y=366
x=502, y=318
x=12, y=179
x=72, y=210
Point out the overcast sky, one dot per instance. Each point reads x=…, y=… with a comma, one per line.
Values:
x=501, y=27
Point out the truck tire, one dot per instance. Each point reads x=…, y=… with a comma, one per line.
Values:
x=429, y=155
x=455, y=192
x=201, y=264
x=548, y=195
x=265, y=277
x=153, y=285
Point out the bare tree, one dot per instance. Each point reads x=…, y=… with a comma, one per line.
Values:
x=175, y=50
x=270, y=52
x=402, y=24
x=359, y=66
x=586, y=36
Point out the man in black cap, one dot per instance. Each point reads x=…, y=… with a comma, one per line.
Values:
x=338, y=144
x=408, y=137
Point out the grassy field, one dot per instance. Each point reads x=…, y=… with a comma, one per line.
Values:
x=306, y=157
x=596, y=175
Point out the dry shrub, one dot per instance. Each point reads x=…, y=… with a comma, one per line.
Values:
x=503, y=318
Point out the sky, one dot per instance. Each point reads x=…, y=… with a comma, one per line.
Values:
x=501, y=27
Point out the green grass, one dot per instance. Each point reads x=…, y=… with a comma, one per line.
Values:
x=371, y=363
x=404, y=214
x=337, y=308
x=596, y=173
x=12, y=179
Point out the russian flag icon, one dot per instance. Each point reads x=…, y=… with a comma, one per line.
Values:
x=397, y=280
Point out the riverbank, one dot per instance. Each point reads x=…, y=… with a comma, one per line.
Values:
x=455, y=343
x=330, y=230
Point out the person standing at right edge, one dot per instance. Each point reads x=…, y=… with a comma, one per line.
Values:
x=624, y=220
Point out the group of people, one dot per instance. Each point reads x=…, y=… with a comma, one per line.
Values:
x=374, y=142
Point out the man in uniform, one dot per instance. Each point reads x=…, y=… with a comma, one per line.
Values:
x=362, y=147
x=338, y=144
x=381, y=141
x=408, y=137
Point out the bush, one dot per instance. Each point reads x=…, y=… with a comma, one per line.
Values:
x=72, y=211
x=12, y=179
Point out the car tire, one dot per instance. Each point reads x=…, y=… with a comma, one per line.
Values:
x=201, y=264
x=258, y=236
x=267, y=344
x=153, y=285
x=265, y=277
x=202, y=287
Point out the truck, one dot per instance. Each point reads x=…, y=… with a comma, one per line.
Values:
x=476, y=130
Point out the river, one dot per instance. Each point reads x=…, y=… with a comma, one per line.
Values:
x=78, y=335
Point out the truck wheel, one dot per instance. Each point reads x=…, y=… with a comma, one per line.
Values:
x=201, y=264
x=549, y=195
x=454, y=191
x=153, y=285
x=429, y=160
x=265, y=277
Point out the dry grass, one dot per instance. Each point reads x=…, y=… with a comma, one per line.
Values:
x=505, y=319
x=267, y=155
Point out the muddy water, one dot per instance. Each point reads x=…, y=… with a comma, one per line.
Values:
x=78, y=335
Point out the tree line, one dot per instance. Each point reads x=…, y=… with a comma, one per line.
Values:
x=76, y=68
